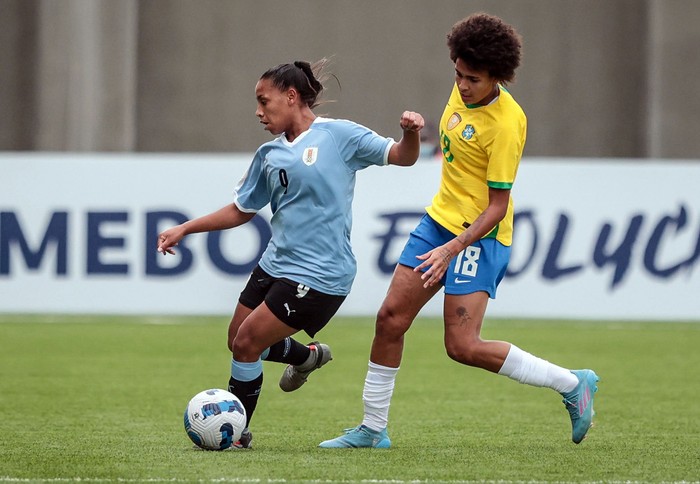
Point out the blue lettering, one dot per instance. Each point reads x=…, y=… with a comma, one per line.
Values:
x=551, y=268
x=96, y=242
x=652, y=249
x=614, y=246
x=228, y=267
x=622, y=255
x=152, y=256
x=385, y=265
x=518, y=220
x=56, y=233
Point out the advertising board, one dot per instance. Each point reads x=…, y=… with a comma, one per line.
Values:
x=594, y=238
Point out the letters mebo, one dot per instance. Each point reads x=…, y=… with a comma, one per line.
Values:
x=54, y=243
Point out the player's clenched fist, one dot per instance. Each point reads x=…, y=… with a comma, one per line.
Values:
x=411, y=121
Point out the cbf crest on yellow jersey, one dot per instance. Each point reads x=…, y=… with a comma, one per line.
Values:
x=482, y=147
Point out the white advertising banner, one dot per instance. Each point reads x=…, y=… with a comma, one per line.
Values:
x=594, y=239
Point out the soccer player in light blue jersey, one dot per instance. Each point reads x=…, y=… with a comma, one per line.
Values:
x=462, y=243
x=307, y=176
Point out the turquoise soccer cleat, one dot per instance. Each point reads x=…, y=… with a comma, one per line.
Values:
x=359, y=437
x=579, y=403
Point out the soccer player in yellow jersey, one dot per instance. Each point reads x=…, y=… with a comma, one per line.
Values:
x=463, y=241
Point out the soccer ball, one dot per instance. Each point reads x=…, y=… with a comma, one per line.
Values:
x=214, y=419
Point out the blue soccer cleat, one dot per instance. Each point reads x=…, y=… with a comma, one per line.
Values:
x=579, y=403
x=359, y=437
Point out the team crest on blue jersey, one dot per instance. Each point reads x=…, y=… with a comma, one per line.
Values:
x=454, y=120
x=310, y=155
x=468, y=132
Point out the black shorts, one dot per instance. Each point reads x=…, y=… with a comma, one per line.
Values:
x=296, y=305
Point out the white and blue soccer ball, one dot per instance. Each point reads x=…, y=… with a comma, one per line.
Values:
x=214, y=419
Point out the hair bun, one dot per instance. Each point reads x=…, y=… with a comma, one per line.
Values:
x=309, y=73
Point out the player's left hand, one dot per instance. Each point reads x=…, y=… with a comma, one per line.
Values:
x=437, y=261
x=411, y=121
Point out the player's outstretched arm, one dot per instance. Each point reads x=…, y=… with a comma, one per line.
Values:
x=406, y=151
x=225, y=218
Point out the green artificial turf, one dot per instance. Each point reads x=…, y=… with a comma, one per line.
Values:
x=101, y=399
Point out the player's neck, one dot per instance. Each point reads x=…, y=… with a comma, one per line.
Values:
x=306, y=119
x=489, y=99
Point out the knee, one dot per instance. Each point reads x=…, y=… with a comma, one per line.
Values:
x=242, y=347
x=232, y=333
x=235, y=342
x=236, y=347
x=465, y=352
x=390, y=323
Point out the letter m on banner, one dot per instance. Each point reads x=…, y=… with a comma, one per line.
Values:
x=11, y=235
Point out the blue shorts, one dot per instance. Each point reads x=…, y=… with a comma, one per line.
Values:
x=479, y=267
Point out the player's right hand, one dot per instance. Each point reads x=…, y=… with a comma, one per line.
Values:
x=169, y=239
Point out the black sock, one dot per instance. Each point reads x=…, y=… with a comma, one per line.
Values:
x=248, y=393
x=288, y=351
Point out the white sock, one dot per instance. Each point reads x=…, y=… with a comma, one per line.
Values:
x=525, y=368
x=379, y=386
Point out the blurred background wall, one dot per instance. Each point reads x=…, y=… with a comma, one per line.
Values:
x=600, y=78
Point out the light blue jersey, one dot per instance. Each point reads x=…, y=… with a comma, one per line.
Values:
x=309, y=184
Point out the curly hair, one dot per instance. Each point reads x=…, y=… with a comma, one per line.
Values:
x=485, y=42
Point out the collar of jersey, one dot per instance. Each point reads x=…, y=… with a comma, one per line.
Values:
x=301, y=136
x=283, y=138
x=474, y=106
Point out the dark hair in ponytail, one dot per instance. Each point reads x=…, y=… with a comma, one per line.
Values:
x=306, y=78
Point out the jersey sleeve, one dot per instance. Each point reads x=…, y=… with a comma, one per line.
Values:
x=504, y=153
x=361, y=147
x=251, y=193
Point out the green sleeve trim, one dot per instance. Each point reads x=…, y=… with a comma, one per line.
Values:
x=500, y=185
x=492, y=234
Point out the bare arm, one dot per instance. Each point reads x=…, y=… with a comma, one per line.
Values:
x=439, y=258
x=225, y=218
x=405, y=152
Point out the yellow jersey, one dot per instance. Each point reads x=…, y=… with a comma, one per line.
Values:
x=482, y=147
